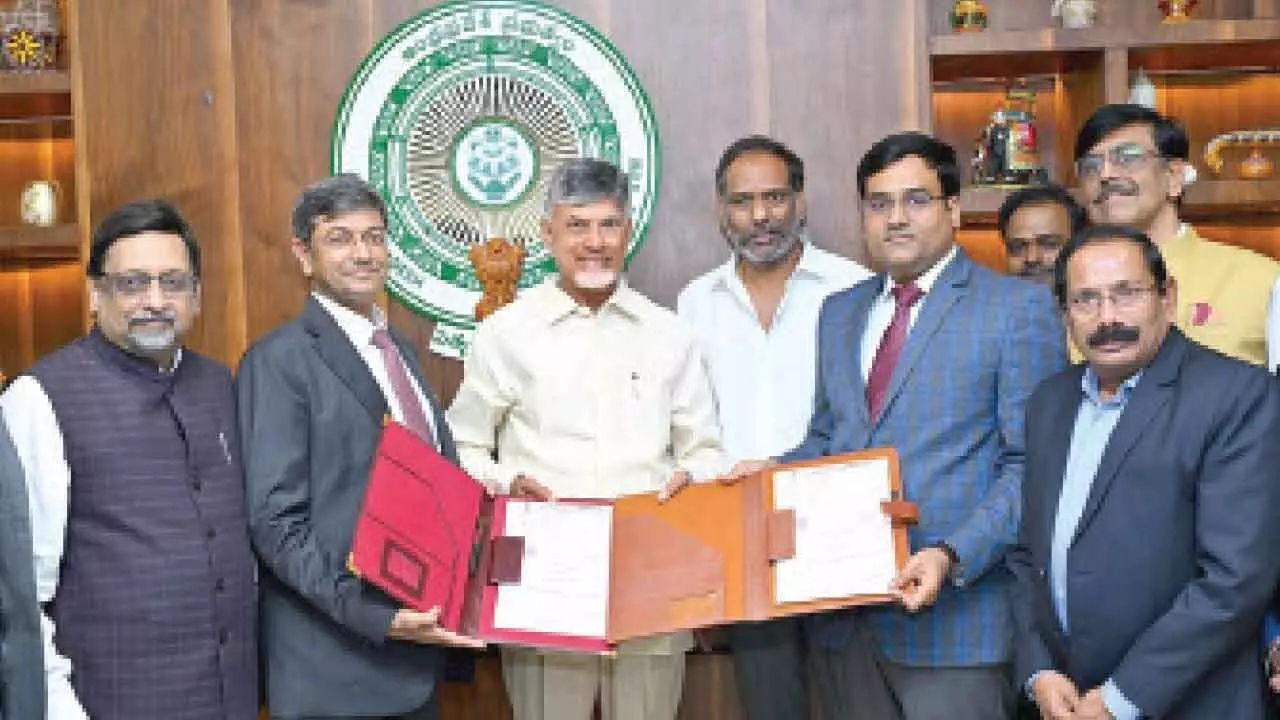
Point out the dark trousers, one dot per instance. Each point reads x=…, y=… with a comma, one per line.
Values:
x=858, y=682
x=769, y=666
x=426, y=712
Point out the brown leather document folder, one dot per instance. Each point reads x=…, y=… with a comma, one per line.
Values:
x=705, y=557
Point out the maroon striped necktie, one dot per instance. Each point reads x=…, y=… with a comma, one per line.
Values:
x=895, y=336
x=414, y=417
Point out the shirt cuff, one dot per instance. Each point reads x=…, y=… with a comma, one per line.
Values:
x=1029, y=689
x=1117, y=704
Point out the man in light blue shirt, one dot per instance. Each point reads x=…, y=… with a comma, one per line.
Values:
x=1146, y=555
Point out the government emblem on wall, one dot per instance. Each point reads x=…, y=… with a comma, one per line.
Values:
x=460, y=116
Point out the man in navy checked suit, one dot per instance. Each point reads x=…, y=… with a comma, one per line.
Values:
x=948, y=394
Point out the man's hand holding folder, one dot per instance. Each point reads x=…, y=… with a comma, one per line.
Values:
x=424, y=628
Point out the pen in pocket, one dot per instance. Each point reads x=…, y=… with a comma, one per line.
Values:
x=226, y=451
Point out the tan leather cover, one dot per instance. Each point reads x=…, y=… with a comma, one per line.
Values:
x=705, y=557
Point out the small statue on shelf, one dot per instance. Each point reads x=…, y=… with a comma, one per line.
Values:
x=1075, y=14
x=1008, y=148
x=1177, y=11
x=968, y=16
x=498, y=263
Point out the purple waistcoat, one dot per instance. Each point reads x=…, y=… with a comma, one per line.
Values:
x=156, y=602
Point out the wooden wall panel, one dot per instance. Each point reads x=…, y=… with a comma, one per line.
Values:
x=41, y=306
x=832, y=104
x=158, y=118
x=694, y=60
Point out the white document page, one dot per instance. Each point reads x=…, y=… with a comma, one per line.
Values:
x=844, y=542
x=564, y=576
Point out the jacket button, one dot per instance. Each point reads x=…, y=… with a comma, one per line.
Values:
x=219, y=585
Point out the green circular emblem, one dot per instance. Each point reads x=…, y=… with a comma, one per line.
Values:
x=459, y=117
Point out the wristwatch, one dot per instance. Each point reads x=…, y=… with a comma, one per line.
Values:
x=956, y=572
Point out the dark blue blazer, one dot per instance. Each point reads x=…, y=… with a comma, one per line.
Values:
x=1177, y=553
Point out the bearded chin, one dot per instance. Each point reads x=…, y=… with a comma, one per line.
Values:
x=158, y=341
x=770, y=255
x=595, y=279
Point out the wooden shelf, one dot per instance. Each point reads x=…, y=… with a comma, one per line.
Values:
x=45, y=82
x=1204, y=199
x=33, y=242
x=1057, y=40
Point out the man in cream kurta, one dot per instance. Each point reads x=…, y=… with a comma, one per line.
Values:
x=584, y=388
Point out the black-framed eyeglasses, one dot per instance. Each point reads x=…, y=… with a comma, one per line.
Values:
x=135, y=284
x=1088, y=303
x=1125, y=156
x=914, y=202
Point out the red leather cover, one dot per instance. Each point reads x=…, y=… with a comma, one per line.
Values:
x=413, y=538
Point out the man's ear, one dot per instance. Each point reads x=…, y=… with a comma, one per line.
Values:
x=1177, y=178
x=302, y=251
x=94, y=293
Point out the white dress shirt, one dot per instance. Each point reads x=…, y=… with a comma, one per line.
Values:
x=764, y=379
x=882, y=310
x=36, y=434
x=359, y=330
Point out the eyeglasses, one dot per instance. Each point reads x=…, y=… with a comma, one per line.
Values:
x=915, y=202
x=342, y=238
x=172, y=284
x=773, y=199
x=1088, y=303
x=1126, y=156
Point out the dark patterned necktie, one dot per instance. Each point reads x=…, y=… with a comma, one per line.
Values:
x=895, y=336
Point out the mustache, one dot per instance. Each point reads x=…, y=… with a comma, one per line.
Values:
x=1107, y=334
x=1115, y=187
x=141, y=318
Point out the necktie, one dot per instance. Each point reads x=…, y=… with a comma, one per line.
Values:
x=895, y=336
x=414, y=418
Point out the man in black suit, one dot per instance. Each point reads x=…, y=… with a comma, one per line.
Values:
x=22, y=687
x=1147, y=553
x=313, y=395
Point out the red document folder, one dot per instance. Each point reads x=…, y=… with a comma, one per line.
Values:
x=416, y=528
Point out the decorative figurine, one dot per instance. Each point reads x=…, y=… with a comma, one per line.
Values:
x=1177, y=11
x=40, y=203
x=1009, y=145
x=498, y=263
x=1075, y=14
x=30, y=35
x=1255, y=166
x=969, y=16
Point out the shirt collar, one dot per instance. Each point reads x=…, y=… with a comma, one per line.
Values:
x=356, y=326
x=927, y=280
x=1089, y=385
x=557, y=305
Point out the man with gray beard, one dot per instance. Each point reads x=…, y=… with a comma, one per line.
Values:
x=128, y=445
x=756, y=319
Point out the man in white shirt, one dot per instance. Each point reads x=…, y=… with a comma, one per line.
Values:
x=756, y=318
x=584, y=388
x=313, y=396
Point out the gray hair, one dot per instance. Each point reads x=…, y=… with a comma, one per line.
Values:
x=331, y=197
x=583, y=181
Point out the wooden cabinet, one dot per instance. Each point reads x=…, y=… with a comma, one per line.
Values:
x=41, y=278
x=1218, y=73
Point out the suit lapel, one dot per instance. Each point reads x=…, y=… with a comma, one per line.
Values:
x=1064, y=403
x=336, y=351
x=854, y=331
x=1149, y=396
x=951, y=286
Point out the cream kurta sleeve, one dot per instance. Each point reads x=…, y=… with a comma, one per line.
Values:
x=695, y=429
x=482, y=405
